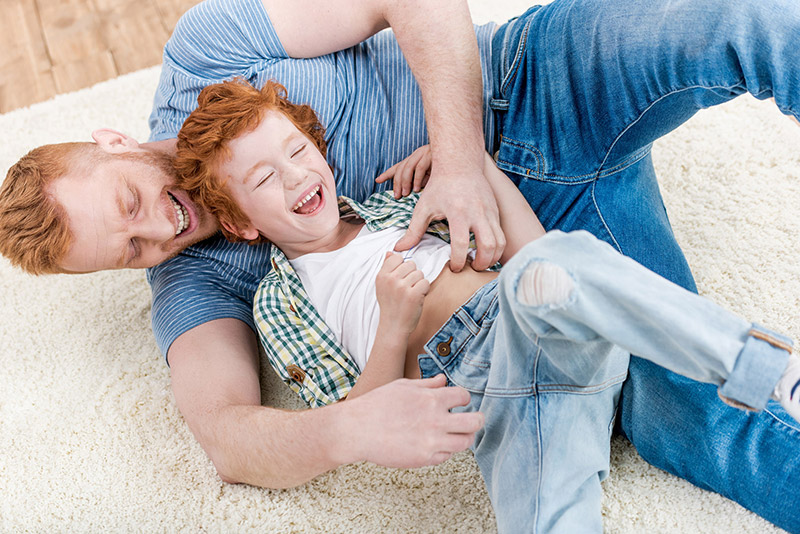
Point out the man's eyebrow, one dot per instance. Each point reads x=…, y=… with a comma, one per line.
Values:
x=123, y=210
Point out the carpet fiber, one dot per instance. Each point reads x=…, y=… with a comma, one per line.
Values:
x=91, y=440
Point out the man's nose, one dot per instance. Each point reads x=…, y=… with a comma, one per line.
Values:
x=156, y=228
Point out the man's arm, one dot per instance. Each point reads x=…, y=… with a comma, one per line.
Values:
x=215, y=379
x=438, y=41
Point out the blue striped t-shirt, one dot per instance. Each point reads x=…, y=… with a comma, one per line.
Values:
x=365, y=96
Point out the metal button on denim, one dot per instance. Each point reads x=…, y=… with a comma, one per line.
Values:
x=443, y=348
x=297, y=374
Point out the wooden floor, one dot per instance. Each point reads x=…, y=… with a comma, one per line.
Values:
x=56, y=46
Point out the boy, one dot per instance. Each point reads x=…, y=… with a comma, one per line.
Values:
x=543, y=347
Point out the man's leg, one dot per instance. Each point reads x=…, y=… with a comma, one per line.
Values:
x=587, y=90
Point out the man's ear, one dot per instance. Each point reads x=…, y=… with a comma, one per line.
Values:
x=247, y=231
x=114, y=142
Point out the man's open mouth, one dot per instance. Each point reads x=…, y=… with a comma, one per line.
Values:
x=309, y=203
x=181, y=215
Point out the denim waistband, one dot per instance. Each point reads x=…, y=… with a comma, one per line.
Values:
x=464, y=324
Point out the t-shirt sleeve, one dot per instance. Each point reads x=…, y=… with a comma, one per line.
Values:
x=187, y=293
x=214, y=41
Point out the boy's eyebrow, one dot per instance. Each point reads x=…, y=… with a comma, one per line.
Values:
x=251, y=170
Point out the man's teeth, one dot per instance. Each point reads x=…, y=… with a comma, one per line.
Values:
x=305, y=199
x=182, y=214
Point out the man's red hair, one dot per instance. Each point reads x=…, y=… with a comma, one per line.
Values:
x=34, y=229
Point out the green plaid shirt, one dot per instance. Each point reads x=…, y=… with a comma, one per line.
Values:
x=300, y=346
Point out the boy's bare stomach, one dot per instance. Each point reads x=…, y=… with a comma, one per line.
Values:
x=448, y=292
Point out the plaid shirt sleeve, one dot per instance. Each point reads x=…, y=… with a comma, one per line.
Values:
x=300, y=346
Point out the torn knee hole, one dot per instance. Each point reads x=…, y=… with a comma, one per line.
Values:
x=544, y=284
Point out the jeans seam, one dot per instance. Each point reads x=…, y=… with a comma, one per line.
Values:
x=582, y=390
x=540, y=459
x=782, y=422
x=514, y=67
x=577, y=179
x=603, y=219
x=656, y=101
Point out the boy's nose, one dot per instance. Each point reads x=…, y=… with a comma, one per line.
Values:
x=294, y=177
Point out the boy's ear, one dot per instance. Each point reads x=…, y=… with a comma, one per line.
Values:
x=247, y=231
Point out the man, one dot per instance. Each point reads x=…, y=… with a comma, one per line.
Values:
x=574, y=93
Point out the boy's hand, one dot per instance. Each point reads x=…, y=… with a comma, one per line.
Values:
x=401, y=290
x=410, y=174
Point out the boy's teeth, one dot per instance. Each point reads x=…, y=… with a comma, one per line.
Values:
x=306, y=199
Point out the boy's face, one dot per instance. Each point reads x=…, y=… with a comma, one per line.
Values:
x=283, y=184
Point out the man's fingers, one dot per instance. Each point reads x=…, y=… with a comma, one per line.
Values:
x=421, y=173
x=490, y=242
x=433, y=382
x=416, y=229
x=459, y=245
x=387, y=174
x=457, y=442
x=438, y=458
x=453, y=396
x=464, y=423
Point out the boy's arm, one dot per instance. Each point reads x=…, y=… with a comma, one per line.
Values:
x=215, y=379
x=520, y=224
x=400, y=289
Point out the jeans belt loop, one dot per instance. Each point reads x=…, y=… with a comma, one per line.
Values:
x=498, y=104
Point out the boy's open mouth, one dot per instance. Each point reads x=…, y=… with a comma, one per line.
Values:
x=309, y=203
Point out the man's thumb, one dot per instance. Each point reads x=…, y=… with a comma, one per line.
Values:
x=412, y=236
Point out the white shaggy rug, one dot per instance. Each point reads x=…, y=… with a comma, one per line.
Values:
x=91, y=440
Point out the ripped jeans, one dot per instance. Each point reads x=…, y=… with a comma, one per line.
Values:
x=543, y=351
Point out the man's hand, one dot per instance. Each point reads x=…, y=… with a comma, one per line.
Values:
x=466, y=201
x=407, y=423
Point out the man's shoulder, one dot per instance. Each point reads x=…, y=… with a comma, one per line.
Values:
x=223, y=30
x=217, y=257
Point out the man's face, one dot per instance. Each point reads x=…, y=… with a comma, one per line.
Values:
x=125, y=212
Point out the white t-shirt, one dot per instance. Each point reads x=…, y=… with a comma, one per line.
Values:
x=341, y=283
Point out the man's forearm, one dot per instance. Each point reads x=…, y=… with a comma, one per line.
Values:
x=274, y=448
x=438, y=41
x=215, y=379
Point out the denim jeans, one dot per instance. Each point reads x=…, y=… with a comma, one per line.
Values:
x=546, y=369
x=583, y=88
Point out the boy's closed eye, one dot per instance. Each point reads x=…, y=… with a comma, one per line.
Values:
x=264, y=179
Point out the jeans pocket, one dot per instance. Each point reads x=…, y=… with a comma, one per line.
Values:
x=519, y=158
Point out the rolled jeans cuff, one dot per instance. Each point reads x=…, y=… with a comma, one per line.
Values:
x=758, y=368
